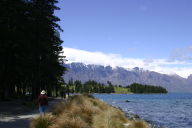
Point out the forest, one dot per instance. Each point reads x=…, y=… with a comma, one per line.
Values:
x=92, y=86
x=139, y=88
x=88, y=87
x=30, y=48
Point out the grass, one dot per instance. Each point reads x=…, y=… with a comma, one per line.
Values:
x=121, y=90
x=43, y=121
x=82, y=111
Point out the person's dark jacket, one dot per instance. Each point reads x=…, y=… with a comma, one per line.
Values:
x=42, y=100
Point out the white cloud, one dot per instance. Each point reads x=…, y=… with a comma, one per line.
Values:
x=181, y=68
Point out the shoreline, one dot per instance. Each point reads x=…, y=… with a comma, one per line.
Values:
x=82, y=111
x=129, y=116
x=136, y=117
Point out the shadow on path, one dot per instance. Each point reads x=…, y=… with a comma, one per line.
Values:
x=23, y=120
x=16, y=123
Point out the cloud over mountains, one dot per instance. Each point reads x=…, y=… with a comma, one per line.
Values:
x=173, y=65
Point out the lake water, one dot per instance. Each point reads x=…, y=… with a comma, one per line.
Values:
x=173, y=110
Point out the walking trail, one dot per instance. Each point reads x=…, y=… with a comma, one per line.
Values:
x=23, y=119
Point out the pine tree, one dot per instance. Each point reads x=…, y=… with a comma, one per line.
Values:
x=12, y=15
x=30, y=47
x=46, y=44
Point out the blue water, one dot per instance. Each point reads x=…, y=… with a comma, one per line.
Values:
x=173, y=110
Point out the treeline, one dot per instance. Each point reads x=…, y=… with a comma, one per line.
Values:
x=90, y=86
x=139, y=88
x=30, y=48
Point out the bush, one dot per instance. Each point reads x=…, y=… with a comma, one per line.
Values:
x=43, y=121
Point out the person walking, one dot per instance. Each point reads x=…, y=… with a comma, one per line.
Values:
x=43, y=102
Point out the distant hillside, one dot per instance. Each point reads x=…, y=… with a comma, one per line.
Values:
x=124, y=77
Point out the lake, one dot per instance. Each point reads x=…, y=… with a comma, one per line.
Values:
x=172, y=110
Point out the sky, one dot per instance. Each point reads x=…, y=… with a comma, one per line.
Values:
x=155, y=35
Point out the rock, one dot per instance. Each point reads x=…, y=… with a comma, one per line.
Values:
x=132, y=116
x=126, y=124
x=127, y=101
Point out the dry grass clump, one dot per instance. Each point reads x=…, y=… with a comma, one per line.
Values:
x=62, y=107
x=82, y=111
x=43, y=121
x=139, y=124
x=111, y=118
x=70, y=122
x=101, y=105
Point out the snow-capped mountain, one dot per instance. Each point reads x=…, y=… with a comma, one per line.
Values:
x=124, y=77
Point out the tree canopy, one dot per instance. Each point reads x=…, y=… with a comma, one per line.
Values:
x=30, y=47
x=139, y=88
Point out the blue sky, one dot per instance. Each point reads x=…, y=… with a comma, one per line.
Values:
x=136, y=29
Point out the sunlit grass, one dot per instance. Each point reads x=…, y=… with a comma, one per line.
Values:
x=122, y=90
x=85, y=112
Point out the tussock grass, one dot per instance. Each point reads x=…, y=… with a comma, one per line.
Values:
x=43, y=121
x=107, y=119
x=70, y=122
x=139, y=124
x=82, y=111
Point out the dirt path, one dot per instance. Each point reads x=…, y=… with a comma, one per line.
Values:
x=23, y=120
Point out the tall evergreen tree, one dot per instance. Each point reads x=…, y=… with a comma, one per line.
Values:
x=30, y=47
x=12, y=15
x=46, y=44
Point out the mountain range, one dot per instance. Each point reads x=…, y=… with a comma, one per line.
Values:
x=124, y=77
